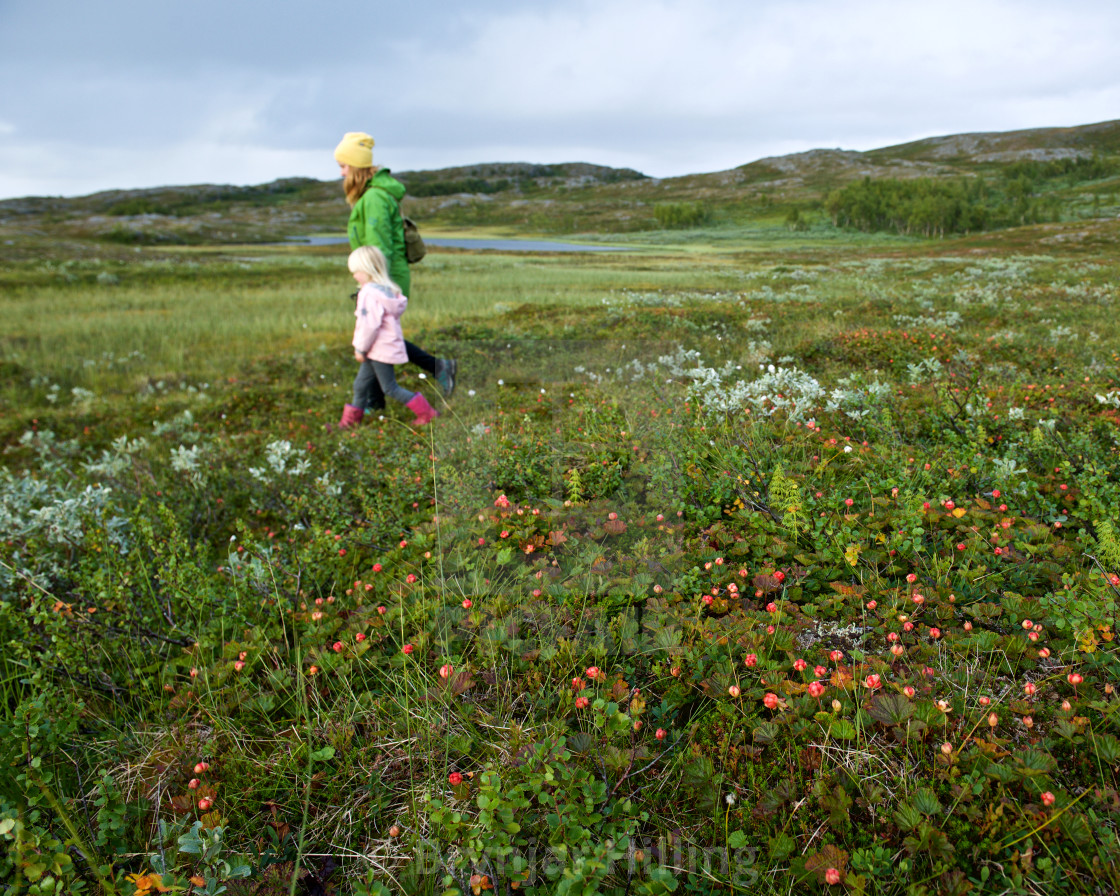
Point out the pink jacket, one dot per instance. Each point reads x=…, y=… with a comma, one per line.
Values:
x=377, y=330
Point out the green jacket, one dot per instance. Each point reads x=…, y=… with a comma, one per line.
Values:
x=375, y=220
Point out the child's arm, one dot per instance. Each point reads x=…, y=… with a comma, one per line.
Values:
x=368, y=313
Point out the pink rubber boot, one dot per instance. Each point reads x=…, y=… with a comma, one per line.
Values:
x=424, y=412
x=351, y=416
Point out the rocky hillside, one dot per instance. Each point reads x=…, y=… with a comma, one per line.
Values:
x=1036, y=144
x=572, y=197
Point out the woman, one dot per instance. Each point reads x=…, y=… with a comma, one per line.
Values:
x=375, y=220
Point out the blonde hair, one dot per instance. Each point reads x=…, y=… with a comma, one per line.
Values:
x=356, y=183
x=371, y=260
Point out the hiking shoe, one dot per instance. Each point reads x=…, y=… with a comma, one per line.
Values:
x=446, y=368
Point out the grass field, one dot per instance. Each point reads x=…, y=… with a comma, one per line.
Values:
x=748, y=561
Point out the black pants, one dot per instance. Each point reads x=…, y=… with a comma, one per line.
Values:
x=375, y=397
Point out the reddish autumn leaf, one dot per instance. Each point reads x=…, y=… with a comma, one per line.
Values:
x=182, y=803
x=830, y=857
x=461, y=682
x=842, y=678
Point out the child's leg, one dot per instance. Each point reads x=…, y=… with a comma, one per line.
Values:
x=388, y=382
x=367, y=390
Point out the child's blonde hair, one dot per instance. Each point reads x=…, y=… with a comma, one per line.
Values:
x=371, y=260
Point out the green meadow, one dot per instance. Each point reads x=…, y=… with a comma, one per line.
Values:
x=756, y=559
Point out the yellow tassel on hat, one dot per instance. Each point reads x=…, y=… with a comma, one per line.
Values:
x=355, y=150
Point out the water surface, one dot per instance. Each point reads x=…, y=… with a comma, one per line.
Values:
x=480, y=244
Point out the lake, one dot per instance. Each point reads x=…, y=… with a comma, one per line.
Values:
x=493, y=245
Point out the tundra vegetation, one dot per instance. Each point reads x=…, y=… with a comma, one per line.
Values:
x=756, y=559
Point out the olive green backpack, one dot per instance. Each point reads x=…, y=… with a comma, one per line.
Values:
x=414, y=248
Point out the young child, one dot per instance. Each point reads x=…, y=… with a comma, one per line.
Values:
x=378, y=340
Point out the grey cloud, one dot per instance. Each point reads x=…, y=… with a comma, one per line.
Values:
x=153, y=92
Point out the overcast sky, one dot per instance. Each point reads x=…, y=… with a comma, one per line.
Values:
x=105, y=94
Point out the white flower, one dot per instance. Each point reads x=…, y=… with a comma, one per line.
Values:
x=185, y=460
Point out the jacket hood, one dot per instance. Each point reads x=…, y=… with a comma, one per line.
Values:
x=383, y=180
x=394, y=302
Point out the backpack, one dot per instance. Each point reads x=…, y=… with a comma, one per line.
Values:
x=414, y=248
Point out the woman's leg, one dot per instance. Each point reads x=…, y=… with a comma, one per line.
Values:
x=367, y=390
x=420, y=358
x=443, y=369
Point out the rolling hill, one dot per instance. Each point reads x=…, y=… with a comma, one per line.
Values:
x=1070, y=173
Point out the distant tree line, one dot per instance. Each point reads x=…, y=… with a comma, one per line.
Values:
x=1078, y=169
x=939, y=206
x=922, y=206
x=679, y=215
x=930, y=207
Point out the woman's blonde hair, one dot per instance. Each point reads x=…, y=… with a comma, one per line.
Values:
x=356, y=183
x=371, y=260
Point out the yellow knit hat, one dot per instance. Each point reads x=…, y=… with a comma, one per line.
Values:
x=355, y=150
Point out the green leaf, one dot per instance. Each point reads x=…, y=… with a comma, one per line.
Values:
x=891, y=709
x=1001, y=771
x=323, y=755
x=737, y=840
x=1107, y=748
x=926, y=802
x=781, y=847
x=907, y=817
x=1032, y=763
